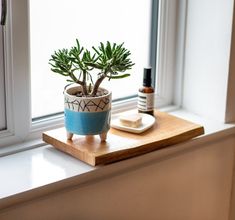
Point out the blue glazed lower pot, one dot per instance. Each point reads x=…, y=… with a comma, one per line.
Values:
x=87, y=123
x=87, y=115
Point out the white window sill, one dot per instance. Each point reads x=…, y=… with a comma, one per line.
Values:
x=36, y=172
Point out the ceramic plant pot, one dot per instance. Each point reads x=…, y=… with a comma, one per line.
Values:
x=87, y=115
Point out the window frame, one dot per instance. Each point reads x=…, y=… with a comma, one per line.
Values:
x=3, y=125
x=17, y=41
x=16, y=67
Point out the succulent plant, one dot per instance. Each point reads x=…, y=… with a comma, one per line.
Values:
x=80, y=65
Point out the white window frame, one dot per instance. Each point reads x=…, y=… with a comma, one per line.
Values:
x=19, y=125
x=2, y=85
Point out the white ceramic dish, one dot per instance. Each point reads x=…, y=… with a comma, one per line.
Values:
x=147, y=122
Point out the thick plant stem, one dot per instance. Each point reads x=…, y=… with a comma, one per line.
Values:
x=84, y=86
x=84, y=90
x=97, y=84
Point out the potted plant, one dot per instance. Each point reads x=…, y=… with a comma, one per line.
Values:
x=87, y=105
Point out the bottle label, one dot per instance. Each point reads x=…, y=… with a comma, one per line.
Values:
x=145, y=101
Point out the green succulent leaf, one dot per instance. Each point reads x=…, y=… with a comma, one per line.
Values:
x=109, y=60
x=120, y=76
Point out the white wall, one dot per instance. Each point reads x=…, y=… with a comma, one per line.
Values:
x=208, y=38
x=193, y=183
x=230, y=108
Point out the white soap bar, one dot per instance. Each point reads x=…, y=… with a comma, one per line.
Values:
x=133, y=120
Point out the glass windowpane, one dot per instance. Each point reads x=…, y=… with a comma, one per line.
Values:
x=56, y=24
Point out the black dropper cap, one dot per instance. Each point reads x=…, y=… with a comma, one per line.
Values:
x=147, y=77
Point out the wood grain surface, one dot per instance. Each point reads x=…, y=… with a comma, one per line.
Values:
x=167, y=130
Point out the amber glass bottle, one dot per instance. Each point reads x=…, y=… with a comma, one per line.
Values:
x=146, y=94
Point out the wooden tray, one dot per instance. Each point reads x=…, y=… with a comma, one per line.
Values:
x=166, y=131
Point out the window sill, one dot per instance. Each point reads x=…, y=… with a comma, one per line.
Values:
x=37, y=172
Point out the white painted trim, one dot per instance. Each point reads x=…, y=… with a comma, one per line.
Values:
x=8, y=71
x=2, y=84
x=207, y=55
x=17, y=74
x=180, y=52
x=170, y=50
x=17, y=148
x=7, y=136
x=21, y=68
x=162, y=49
